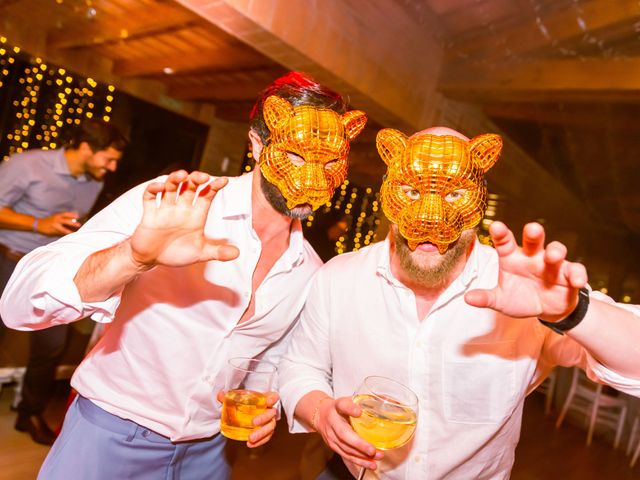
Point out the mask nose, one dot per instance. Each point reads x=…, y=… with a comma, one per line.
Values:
x=431, y=219
x=314, y=178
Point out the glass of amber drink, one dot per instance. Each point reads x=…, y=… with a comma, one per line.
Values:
x=246, y=385
x=389, y=413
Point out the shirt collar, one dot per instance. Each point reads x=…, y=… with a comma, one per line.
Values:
x=237, y=196
x=61, y=167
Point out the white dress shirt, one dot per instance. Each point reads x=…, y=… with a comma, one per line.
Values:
x=471, y=368
x=161, y=361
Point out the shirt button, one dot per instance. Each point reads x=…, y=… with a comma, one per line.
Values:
x=416, y=459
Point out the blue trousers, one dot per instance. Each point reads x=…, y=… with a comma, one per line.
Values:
x=96, y=445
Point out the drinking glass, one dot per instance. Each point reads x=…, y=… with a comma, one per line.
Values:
x=247, y=383
x=389, y=413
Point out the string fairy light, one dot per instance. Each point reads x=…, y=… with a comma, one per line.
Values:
x=45, y=99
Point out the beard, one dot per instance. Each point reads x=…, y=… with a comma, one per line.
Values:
x=433, y=269
x=278, y=202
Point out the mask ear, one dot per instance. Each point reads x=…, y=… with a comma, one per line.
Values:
x=485, y=150
x=276, y=111
x=353, y=121
x=390, y=144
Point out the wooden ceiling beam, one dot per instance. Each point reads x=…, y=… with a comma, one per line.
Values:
x=547, y=80
x=586, y=117
x=555, y=28
x=215, y=59
x=217, y=91
x=135, y=24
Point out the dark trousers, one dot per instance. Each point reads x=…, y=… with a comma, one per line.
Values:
x=45, y=350
x=6, y=269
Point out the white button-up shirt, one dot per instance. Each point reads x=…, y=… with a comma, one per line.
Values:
x=471, y=368
x=172, y=330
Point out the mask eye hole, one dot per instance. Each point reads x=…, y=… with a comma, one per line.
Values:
x=455, y=195
x=330, y=164
x=295, y=158
x=410, y=192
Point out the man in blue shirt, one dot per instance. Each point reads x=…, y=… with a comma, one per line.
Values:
x=43, y=196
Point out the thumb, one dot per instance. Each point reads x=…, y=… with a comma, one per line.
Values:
x=345, y=406
x=481, y=298
x=216, y=250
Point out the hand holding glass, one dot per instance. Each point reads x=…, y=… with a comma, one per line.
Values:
x=248, y=381
x=389, y=413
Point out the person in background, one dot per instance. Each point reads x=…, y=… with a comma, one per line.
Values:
x=44, y=195
x=469, y=328
x=188, y=274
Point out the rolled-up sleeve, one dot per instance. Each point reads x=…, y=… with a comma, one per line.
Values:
x=564, y=351
x=306, y=365
x=41, y=292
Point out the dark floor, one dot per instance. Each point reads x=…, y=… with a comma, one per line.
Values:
x=543, y=452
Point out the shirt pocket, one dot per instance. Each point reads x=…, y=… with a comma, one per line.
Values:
x=479, y=383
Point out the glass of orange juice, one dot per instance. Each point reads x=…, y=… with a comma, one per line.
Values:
x=247, y=383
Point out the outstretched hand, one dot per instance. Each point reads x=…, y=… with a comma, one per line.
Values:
x=172, y=228
x=533, y=281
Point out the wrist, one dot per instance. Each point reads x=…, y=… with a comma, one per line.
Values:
x=574, y=318
x=138, y=265
x=316, y=412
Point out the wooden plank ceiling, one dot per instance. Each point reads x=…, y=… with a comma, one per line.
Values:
x=561, y=77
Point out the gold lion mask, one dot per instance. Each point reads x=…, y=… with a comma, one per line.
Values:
x=319, y=136
x=434, y=187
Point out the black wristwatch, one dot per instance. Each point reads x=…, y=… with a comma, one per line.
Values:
x=574, y=317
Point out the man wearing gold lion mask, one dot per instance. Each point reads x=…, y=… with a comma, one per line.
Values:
x=469, y=328
x=186, y=282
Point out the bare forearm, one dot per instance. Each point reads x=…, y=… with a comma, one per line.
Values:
x=612, y=336
x=11, y=220
x=105, y=272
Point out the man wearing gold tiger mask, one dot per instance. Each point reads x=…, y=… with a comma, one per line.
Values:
x=469, y=328
x=228, y=254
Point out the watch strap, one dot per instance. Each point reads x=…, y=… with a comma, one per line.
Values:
x=574, y=318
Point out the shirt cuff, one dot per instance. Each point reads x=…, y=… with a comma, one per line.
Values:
x=57, y=296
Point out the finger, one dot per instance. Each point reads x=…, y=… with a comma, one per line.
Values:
x=265, y=417
x=554, y=257
x=503, y=239
x=481, y=298
x=345, y=406
x=532, y=239
x=261, y=435
x=576, y=274
x=220, y=396
x=218, y=250
x=208, y=190
x=174, y=179
x=272, y=398
x=352, y=442
x=364, y=462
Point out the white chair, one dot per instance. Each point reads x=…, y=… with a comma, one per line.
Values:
x=12, y=376
x=588, y=398
x=547, y=388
